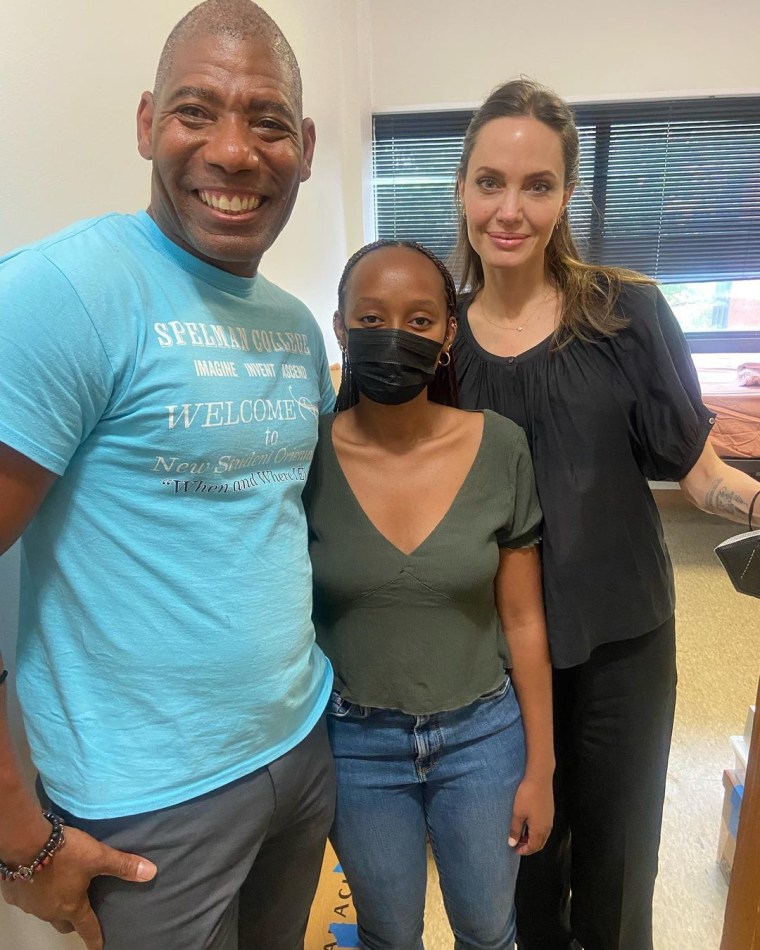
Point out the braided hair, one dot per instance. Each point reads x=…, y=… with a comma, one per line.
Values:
x=443, y=389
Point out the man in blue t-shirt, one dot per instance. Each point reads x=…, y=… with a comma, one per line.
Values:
x=158, y=414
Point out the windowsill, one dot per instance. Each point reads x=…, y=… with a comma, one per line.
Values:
x=733, y=341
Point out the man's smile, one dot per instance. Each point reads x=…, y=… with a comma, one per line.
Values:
x=230, y=204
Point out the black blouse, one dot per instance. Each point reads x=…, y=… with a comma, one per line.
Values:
x=601, y=418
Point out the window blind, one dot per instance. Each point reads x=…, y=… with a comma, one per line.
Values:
x=669, y=188
x=415, y=156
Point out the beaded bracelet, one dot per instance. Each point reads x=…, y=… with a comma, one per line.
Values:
x=26, y=872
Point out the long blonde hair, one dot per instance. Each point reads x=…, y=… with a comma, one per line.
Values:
x=589, y=292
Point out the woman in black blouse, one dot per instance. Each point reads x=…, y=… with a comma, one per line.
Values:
x=591, y=362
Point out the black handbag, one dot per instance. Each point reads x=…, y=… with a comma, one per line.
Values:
x=740, y=556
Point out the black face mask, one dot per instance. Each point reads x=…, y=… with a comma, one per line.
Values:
x=391, y=366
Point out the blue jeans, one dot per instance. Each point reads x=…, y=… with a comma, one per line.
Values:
x=451, y=777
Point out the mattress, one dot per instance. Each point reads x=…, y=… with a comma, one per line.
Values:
x=736, y=433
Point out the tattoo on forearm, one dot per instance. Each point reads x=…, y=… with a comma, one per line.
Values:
x=724, y=500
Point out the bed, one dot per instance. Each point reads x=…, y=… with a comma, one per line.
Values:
x=736, y=434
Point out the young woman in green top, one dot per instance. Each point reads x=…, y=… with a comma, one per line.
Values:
x=424, y=526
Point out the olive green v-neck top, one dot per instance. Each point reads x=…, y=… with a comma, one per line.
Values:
x=419, y=632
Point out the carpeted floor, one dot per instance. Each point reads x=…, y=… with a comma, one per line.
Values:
x=719, y=664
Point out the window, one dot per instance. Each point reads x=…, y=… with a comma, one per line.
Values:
x=668, y=188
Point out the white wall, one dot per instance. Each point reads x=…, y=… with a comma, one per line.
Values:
x=71, y=75
x=453, y=53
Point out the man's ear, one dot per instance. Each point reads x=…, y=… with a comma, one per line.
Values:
x=145, y=126
x=309, y=138
x=339, y=327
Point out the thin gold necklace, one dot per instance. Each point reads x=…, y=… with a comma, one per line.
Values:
x=520, y=326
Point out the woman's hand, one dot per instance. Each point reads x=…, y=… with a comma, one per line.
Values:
x=532, y=815
x=521, y=611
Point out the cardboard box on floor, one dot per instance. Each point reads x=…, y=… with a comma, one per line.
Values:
x=748, y=726
x=733, y=783
x=732, y=800
x=332, y=925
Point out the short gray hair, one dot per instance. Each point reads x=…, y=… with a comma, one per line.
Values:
x=237, y=19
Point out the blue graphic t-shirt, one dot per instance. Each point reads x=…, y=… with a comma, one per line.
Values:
x=165, y=644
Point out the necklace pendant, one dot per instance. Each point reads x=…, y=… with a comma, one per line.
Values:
x=519, y=329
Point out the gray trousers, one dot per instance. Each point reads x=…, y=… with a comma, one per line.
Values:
x=237, y=867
